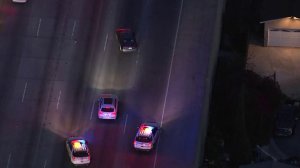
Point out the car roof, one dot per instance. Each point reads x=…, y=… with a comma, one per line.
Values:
x=145, y=130
x=20, y=1
x=79, y=145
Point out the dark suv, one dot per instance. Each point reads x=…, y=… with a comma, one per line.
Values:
x=126, y=38
x=285, y=121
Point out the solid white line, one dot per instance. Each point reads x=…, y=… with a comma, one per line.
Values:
x=106, y=38
x=58, y=99
x=8, y=161
x=93, y=105
x=73, y=30
x=38, y=30
x=24, y=92
x=45, y=163
x=169, y=77
x=170, y=70
x=125, y=124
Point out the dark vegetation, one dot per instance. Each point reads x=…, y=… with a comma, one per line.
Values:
x=243, y=103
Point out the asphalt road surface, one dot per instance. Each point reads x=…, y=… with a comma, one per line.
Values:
x=58, y=56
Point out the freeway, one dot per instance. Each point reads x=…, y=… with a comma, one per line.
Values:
x=58, y=56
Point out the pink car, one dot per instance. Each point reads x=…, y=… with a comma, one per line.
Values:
x=108, y=107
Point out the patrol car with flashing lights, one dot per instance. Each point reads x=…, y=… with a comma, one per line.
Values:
x=108, y=106
x=146, y=136
x=126, y=38
x=78, y=151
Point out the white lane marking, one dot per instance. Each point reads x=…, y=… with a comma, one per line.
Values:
x=8, y=161
x=45, y=163
x=106, y=38
x=38, y=30
x=125, y=124
x=57, y=104
x=24, y=92
x=92, y=110
x=170, y=70
x=168, y=83
x=73, y=30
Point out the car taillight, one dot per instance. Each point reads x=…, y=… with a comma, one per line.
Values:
x=114, y=113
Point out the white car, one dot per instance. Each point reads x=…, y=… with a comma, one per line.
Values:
x=19, y=1
x=108, y=106
x=78, y=151
x=146, y=136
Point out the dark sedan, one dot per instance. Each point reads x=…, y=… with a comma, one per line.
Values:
x=285, y=121
x=126, y=38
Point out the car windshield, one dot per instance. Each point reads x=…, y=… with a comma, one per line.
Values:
x=107, y=101
x=107, y=109
x=143, y=139
x=81, y=154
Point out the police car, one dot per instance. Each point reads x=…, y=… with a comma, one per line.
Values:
x=146, y=136
x=78, y=151
x=126, y=38
x=108, y=106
